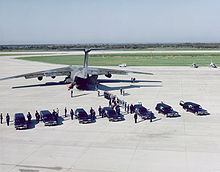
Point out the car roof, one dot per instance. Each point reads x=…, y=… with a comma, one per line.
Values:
x=45, y=112
x=138, y=105
x=107, y=108
x=164, y=105
x=191, y=103
x=80, y=110
x=19, y=115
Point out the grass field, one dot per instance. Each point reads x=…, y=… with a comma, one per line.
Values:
x=154, y=59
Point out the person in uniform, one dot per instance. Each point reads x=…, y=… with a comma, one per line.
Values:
x=100, y=110
x=29, y=117
x=135, y=118
x=1, y=118
x=151, y=117
x=71, y=92
x=117, y=108
x=65, y=111
x=128, y=108
x=57, y=112
x=71, y=114
x=125, y=106
x=110, y=102
x=7, y=119
x=121, y=91
x=92, y=114
x=37, y=116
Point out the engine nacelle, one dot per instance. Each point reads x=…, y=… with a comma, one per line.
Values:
x=40, y=78
x=53, y=77
x=108, y=75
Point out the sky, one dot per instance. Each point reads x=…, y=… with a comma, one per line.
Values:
x=109, y=21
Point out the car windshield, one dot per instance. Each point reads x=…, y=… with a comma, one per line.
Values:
x=48, y=117
x=19, y=120
x=143, y=110
x=83, y=115
x=112, y=113
x=168, y=109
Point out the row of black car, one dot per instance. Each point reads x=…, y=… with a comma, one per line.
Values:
x=188, y=106
x=167, y=110
x=52, y=119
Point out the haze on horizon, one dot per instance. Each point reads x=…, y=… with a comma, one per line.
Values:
x=103, y=21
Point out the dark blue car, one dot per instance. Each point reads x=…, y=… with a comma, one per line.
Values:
x=20, y=122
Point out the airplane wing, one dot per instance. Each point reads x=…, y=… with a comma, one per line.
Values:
x=65, y=71
x=105, y=71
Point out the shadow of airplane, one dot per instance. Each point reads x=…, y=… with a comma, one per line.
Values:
x=41, y=85
x=107, y=88
x=124, y=81
x=100, y=86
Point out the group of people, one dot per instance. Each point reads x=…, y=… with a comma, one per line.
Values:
x=7, y=119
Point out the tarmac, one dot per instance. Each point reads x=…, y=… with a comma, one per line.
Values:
x=186, y=143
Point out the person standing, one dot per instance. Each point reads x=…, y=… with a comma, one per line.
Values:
x=1, y=118
x=65, y=111
x=135, y=118
x=98, y=93
x=29, y=117
x=100, y=111
x=7, y=119
x=121, y=91
x=151, y=117
x=117, y=108
x=110, y=102
x=37, y=116
x=71, y=93
x=128, y=108
x=71, y=114
x=92, y=114
x=57, y=112
x=125, y=106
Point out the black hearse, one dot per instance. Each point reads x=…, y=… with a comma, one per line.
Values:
x=82, y=116
x=193, y=107
x=20, y=122
x=111, y=114
x=48, y=118
x=166, y=110
x=143, y=112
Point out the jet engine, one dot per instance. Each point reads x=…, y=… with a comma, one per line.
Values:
x=40, y=78
x=108, y=75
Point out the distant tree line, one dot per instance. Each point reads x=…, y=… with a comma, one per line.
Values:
x=69, y=47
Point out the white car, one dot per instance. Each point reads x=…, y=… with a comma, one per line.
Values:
x=122, y=65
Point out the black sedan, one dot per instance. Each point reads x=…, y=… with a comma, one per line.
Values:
x=143, y=112
x=48, y=118
x=194, y=108
x=111, y=114
x=82, y=116
x=166, y=110
x=20, y=122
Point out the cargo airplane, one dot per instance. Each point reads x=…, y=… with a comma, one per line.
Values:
x=83, y=77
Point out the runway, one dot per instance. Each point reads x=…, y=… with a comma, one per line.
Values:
x=187, y=143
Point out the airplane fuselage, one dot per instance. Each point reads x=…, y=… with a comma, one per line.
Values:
x=89, y=83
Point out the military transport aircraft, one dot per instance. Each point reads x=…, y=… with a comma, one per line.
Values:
x=80, y=76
